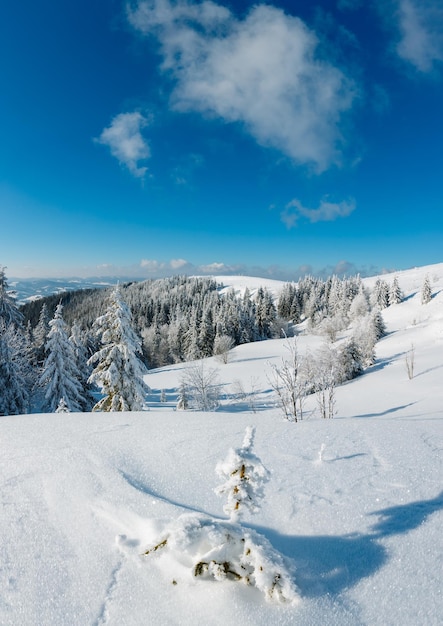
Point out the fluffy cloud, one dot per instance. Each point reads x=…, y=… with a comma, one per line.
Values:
x=262, y=72
x=166, y=268
x=124, y=139
x=420, y=23
x=326, y=212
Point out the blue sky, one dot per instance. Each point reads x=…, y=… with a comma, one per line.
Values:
x=276, y=139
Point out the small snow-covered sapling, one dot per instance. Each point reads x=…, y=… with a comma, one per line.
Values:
x=244, y=478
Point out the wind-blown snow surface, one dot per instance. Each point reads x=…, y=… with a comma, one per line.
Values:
x=356, y=502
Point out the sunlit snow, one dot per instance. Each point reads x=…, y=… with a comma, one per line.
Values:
x=354, y=503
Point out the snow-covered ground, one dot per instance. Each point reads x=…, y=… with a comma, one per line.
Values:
x=355, y=502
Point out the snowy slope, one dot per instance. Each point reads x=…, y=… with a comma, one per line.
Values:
x=356, y=502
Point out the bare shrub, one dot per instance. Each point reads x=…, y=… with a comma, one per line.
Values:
x=203, y=386
x=410, y=362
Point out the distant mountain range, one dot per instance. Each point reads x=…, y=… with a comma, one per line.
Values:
x=28, y=289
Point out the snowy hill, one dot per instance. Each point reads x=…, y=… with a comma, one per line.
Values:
x=355, y=502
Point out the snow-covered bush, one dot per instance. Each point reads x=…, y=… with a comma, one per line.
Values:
x=203, y=386
x=244, y=477
x=213, y=548
x=331, y=326
x=222, y=345
x=289, y=385
x=410, y=362
x=325, y=376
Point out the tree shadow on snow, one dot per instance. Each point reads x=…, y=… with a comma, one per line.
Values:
x=401, y=519
x=393, y=409
x=329, y=564
x=138, y=483
x=431, y=369
x=333, y=564
x=380, y=364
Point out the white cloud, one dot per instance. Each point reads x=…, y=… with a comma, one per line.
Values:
x=151, y=265
x=216, y=268
x=163, y=268
x=124, y=139
x=326, y=212
x=261, y=72
x=420, y=23
x=177, y=264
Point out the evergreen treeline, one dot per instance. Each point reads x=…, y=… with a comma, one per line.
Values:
x=48, y=347
x=178, y=318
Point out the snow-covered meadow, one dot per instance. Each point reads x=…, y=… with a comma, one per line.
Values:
x=355, y=503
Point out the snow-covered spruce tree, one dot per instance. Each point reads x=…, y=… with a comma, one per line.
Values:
x=39, y=335
x=118, y=369
x=378, y=324
x=395, y=294
x=426, y=290
x=225, y=550
x=349, y=361
x=60, y=377
x=78, y=340
x=9, y=312
x=266, y=312
x=62, y=407
x=244, y=477
x=15, y=372
x=380, y=294
x=182, y=399
x=360, y=305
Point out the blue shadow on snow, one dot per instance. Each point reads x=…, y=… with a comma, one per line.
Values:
x=332, y=564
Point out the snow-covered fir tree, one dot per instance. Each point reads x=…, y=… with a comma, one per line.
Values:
x=426, y=290
x=349, y=360
x=395, y=293
x=62, y=407
x=266, y=313
x=118, y=369
x=182, y=399
x=378, y=324
x=39, y=335
x=16, y=377
x=9, y=312
x=380, y=294
x=78, y=340
x=60, y=377
x=360, y=305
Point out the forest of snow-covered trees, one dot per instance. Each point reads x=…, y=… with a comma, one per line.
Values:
x=86, y=349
